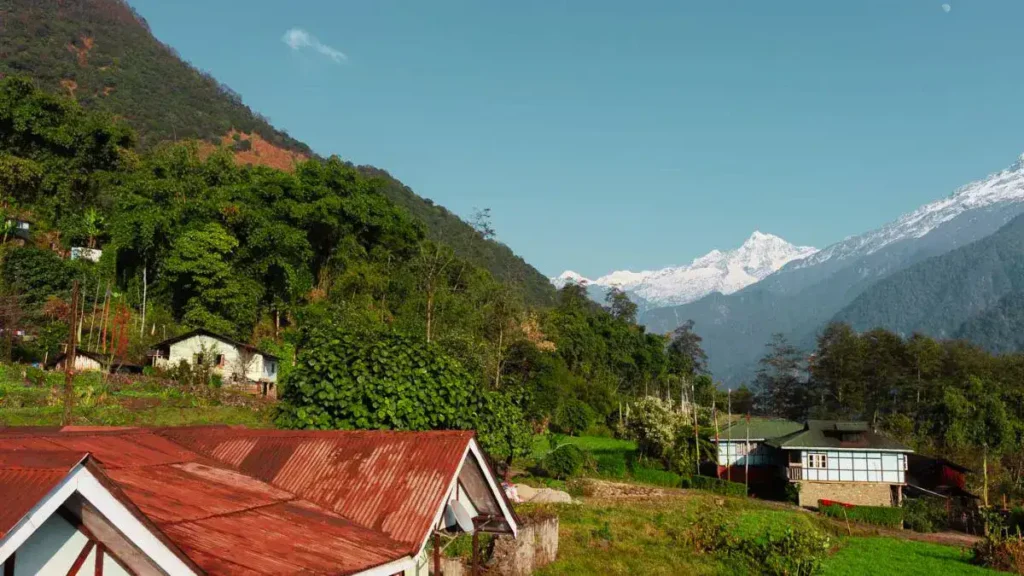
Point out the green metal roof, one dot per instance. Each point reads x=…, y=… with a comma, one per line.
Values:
x=760, y=429
x=837, y=435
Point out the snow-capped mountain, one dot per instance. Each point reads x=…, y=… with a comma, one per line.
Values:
x=1004, y=186
x=716, y=271
x=800, y=298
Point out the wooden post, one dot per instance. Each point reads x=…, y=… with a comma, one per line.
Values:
x=475, y=569
x=696, y=435
x=984, y=467
x=746, y=458
x=728, y=422
x=69, y=358
x=437, y=554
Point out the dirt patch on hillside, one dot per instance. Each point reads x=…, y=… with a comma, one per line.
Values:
x=82, y=52
x=606, y=490
x=253, y=149
x=70, y=85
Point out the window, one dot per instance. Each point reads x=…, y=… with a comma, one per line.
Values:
x=817, y=461
x=220, y=360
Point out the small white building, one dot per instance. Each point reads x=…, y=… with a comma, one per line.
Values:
x=230, y=359
x=88, y=361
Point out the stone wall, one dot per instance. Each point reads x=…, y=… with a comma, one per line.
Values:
x=536, y=546
x=858, y=493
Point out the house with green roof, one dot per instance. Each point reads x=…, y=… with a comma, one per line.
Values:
x=828, y=460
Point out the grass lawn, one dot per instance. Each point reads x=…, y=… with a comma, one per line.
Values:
x=541, y=444
x=649, y=537
x=878, y=555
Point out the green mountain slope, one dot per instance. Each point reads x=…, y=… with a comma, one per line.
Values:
x=971, y=292
x=103, y=53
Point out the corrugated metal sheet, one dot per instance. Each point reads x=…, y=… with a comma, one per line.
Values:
x=240, y=501
x=25, y=477
x=393, y=482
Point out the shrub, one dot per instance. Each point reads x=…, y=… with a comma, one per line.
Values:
x=718, y=486
x=886, y=516
x=795, y=552
x=574, y=417
x=580, y=487
x=653, y=424
x=1000, y=552
x=564, y=462
x=924, y=515
x=35, y=376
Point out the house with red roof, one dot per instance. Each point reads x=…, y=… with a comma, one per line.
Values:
x=226, y=500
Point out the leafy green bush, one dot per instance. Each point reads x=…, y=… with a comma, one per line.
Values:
x=564, y=462
x=653, y=424
x=886, y=516
x=924, y=514
x=795, y=552
x=388, y=381
x=574, y=417
x=717, y=485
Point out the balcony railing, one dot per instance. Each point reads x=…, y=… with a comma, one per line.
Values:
x=795, y=472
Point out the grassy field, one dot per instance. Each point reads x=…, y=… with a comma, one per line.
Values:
x=649, y=537
x=34, y=398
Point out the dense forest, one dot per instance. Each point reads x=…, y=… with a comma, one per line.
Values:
x=281, y=258
x=103, y=55
x=949, y=398
x=968, y=293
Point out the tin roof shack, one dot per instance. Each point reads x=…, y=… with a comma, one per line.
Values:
x=742, y=450
x=233, y=360
x=87, y=361
x=219, y=500
x=844, y=462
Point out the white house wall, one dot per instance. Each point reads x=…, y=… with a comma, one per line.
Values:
x=85, y=364
x=735, y=453
x=188, y=349
x=51, y=549
x=856, y=466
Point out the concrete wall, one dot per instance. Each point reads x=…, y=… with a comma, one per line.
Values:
x=256, y=370
x=536, y=546
x=858, y=493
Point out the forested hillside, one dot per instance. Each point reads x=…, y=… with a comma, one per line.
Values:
x=971, y=292
x=102, y=54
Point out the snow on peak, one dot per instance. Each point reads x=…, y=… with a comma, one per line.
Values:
x=1004, y=186
x=570, y=277
x=717, y=271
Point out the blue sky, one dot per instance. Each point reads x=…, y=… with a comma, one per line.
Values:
x=607, y=134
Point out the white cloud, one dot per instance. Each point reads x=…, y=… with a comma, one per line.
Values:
x=946, y=8
x=299, y=39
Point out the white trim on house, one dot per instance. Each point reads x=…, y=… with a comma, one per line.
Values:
x=474, y=448
x=82, y=481
x=403, y=565
x=820, y=449
x=495, y=487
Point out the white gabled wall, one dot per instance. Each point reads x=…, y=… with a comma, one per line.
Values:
x=51, y=549
x=855, y=466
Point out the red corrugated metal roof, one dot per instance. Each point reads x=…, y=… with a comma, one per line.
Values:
x=26, y=476
x=393, y=482
x=244, y=501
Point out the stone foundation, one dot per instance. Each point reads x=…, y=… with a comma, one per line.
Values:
x=856, y=493
x=536, y=546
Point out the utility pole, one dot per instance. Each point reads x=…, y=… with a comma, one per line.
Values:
x=142, y=327
x=728, y=431
x=696, y=435
x=69, y=358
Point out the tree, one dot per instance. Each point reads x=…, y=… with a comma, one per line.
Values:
x=780, y=380
x=481, y=222
x=207, y=292
x=836, y=372
x=620, y=306
x=685, y=354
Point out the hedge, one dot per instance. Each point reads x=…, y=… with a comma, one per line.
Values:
x=716, y=485
x=886, y=516
x=657, y=477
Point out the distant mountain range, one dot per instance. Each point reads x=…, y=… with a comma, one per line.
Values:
x=798, y=299
x=716, y=271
